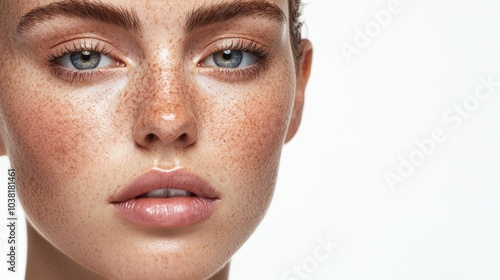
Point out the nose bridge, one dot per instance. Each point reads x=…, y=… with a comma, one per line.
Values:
x=164, y=87
x=167, y=114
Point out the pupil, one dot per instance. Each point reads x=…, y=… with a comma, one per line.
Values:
x=227, y=55
x=86, y=55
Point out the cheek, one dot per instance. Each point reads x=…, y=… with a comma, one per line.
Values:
x=245, y=140
x=50, y=139
x=248, y=125
x=46, y=150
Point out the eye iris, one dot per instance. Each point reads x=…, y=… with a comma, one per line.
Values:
x=228, y=58
x=85, y=60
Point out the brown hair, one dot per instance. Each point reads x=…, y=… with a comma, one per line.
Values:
x=295, y=9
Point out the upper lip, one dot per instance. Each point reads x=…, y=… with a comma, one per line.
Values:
x=153, y=179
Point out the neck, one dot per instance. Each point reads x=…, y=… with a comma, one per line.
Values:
x=47, y=262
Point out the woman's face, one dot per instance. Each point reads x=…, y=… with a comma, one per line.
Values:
x=94, y=94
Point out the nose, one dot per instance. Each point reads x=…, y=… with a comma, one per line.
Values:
x=166, y=117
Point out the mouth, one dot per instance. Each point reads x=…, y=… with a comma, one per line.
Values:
x=162, y=198
x=165, y=193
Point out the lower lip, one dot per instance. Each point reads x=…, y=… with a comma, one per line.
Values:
x=166, y=212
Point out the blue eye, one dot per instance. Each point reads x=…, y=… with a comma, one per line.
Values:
x=230, y=59
x=85, y=60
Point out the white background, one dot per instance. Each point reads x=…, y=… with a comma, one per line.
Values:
x=364, y=113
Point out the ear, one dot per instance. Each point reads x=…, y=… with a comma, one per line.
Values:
x=302, y=77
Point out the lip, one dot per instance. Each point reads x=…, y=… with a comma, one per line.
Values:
x=166, y=212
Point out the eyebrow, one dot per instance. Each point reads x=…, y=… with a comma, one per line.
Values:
x=221, y=12
x=84, y=9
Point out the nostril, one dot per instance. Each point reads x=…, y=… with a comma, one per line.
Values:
x=150, y=137
x=178, y=133
x=183, y=137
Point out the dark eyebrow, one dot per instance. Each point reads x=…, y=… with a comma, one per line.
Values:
x=92, y=10
x=210, y=14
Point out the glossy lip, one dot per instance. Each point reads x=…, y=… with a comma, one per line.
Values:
x=166, y=212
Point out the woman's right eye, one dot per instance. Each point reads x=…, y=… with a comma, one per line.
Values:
x=85, y=60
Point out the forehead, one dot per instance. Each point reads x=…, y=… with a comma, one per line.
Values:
x=29, y=4
x=12, y=11
x=150, y=15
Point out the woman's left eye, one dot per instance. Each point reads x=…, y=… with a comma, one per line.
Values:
x=85, y=60
x=230, y=59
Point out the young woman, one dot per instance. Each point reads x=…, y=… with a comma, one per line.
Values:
x=146, y=135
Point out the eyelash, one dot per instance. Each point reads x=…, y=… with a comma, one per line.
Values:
x=261, y=53
x=72, y=75
x=263, y=56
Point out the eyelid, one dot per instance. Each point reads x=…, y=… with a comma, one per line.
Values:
x=262, y=53
x=83, y=44
x=234, y=44
x=247, y=58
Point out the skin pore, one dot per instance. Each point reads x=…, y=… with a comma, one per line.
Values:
x=95, y=93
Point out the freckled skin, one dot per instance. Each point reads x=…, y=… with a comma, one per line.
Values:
x=74, y=145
